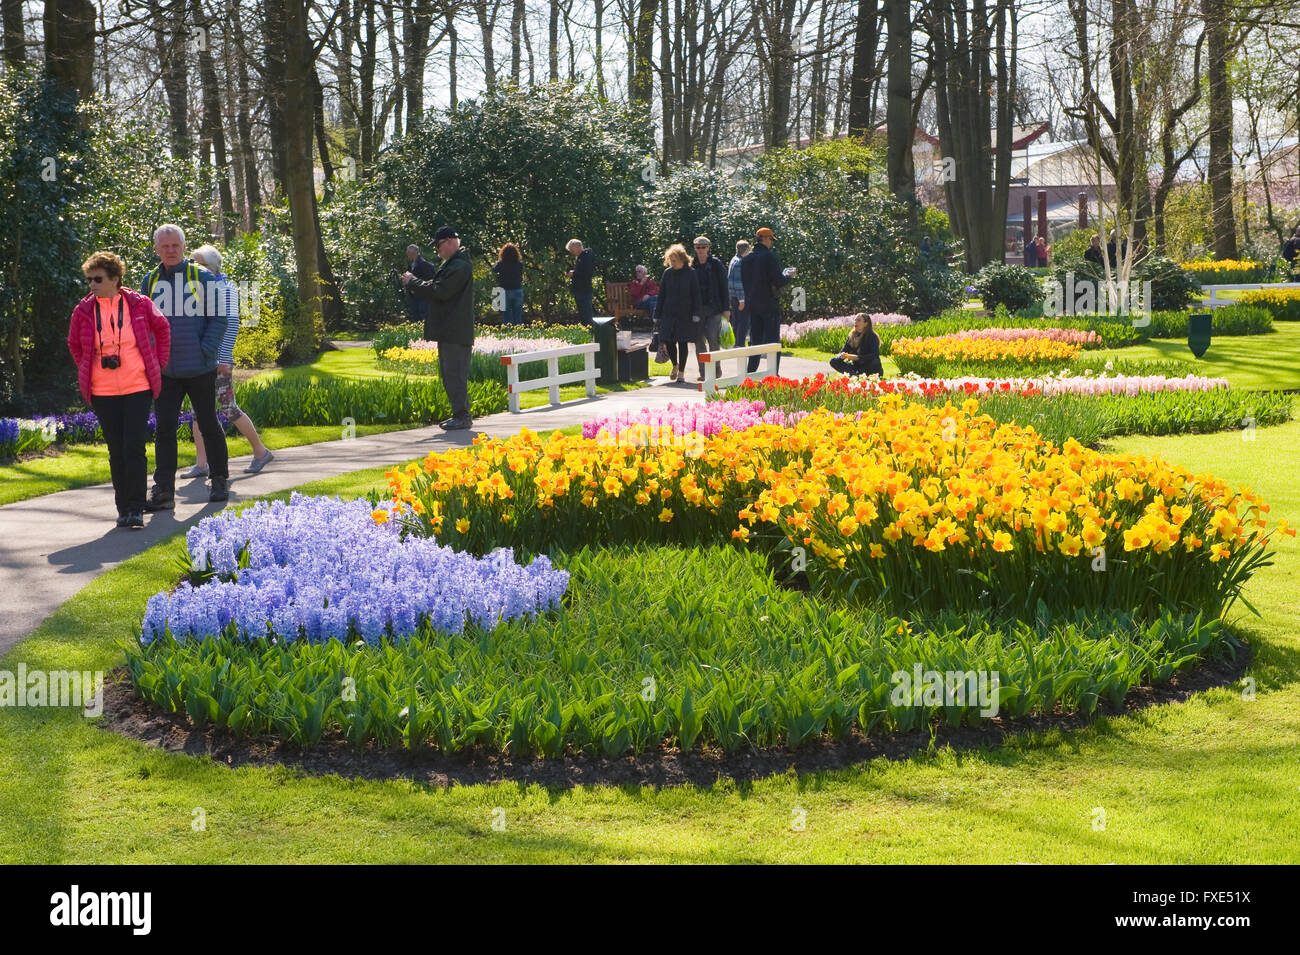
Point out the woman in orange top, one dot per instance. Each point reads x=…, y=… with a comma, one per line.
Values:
x=120, y=342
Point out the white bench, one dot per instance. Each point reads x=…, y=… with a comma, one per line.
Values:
x=1213, y=301
x=553, y=378
x=713, y=384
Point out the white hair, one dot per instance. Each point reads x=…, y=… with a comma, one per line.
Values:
x=209, y=256
x=168, y=228
x=573, y=244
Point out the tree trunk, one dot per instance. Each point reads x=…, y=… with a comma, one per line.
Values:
x=898, y=105
x=516, y=27
x=1220, y=126
x=273, y=88
x=487, y=27
x=418, y=24
x=553, y=40
x=244, y=126
x=866, y=38
x=641, y=85
x=600, y=48
x=70, y=44
x=366, y=115
x=299, y=183
x=212, y=128
x=14, y=38
x=318, y=123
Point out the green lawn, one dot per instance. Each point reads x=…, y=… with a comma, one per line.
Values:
x=86, y=464
x=1255, y=362
x=1210, y=780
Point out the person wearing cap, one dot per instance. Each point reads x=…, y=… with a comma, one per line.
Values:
x=761, y=274
x=712, y=276
x=450, y=323
x=580, y=276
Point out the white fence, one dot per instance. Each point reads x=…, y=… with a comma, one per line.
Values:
x=712, y=383
x=553, y=378
x=1213, y=301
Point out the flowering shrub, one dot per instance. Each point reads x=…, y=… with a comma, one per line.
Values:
x=1283, y=303
x=927, y=507
x=921, y=355
x=1227, y=271
x=323, y=569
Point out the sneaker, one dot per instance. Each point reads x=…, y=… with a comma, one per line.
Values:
x=444, y=422
x=458, y=424
x=218, y=492
x=259, y=463
x=122, y=519
x=134, y=521
x=198, y=471
x=160, y=501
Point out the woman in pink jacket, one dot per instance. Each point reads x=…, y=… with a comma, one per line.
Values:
x=120, y=341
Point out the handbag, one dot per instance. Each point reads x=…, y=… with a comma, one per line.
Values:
x=662, y=356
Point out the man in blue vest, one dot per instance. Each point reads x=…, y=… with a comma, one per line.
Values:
x=190, y=296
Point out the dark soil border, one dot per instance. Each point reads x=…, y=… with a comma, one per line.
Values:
x=127, y=715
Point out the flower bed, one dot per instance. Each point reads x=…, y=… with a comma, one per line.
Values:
x=922, y=355
x=318, y=569
x=1282, y=303
x=421, y=357
x=964, y=512
x=821, y=332
x=676, y=421
x=1227, y=271
x=1058, y=408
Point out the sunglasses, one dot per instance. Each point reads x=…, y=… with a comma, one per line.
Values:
x=96, y=279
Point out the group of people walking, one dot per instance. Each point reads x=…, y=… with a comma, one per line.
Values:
x=173, y=339
x=693, y=297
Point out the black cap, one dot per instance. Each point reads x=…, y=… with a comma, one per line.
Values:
x=446, y=232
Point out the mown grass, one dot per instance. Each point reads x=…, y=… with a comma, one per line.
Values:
x=82, y=465
x=1211, y=780
x=1254, y=362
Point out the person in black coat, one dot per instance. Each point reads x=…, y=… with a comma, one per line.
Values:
x=761, y=274
x=713, y=298
x=678, y=311
x=417, y=310
x=450, y=322
x=580, y=276
x=861, y=352
x=1094, y=254
x=509, y=272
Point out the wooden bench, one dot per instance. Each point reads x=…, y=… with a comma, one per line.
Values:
x=618, y=301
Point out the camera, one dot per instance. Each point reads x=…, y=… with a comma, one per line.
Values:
x=110, y=362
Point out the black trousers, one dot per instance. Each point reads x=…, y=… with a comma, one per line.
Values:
x=124, y=419
x=739, y=323
x=764, y=327
x=202, y=390
x=453, y=366
x=680, y=351
x=851, y=368
x=586, y=311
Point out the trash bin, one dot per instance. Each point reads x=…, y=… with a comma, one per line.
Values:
x=604, y=334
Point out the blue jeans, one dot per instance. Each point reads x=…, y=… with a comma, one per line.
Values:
x=739, y=323
x=514, y=313
x=649, y=303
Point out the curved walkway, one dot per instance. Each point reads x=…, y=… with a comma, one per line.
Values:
x=52, y=546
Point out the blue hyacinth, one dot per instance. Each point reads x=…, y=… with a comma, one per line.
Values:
x=321, y=569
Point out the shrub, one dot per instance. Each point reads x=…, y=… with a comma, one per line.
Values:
x=1014, y=286
x=1282, y=303
x=1172, y=287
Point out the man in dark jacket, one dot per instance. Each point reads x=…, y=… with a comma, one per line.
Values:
x=417, y=309
x=761, y=274
x=712, y=275
x=191, y=299
x=450, y=323
x=580, y=276
x=1291, y=251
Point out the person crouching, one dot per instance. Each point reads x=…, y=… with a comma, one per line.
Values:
x=861, y=352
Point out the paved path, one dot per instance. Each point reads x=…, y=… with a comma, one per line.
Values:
x=52, y=546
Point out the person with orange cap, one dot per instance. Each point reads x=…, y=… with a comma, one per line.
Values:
x=761, y=274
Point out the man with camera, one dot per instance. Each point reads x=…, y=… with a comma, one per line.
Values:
x=450, y=322
x=417, y=309
x=190, y=298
